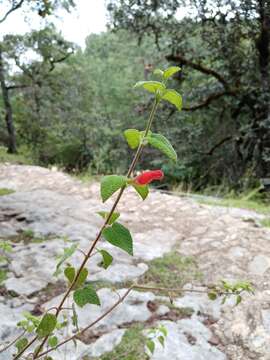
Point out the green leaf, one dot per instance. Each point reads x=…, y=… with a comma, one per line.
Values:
x=151, y=86
x=170, y=71
x=68, y=252
x=163, y=330
x=70, y=275
x=212, y=295
x=119, y=236
x=113, y=218
x=110, y=184
x=53, y=341
x=161, y=340
x=74, y=317
x=5, y=246
x=173, y=97
x=21, y=344
x=150, y=345
x=238, y=300
x=158, y=72
x=133, y=137
x=142, y=190
x=86, y=295
x=47, y=325
x=159, y=142
x=107, y=258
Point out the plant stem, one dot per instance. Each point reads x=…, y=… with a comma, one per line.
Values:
x=92, y=247
x=120, y=300
x=12, y=342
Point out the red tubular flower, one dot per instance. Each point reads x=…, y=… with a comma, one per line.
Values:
x=147, y=176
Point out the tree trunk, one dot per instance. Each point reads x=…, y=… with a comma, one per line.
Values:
x=261, y=123
x=8, y=109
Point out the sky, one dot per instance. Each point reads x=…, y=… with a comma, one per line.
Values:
x=88, y=17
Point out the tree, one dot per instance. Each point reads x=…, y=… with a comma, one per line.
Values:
x=43, y=8
x=224, y=48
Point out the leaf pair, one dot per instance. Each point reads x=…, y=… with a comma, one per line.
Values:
x=158, y=141
x=110, y=184
x=70, y=274
x=159, y=88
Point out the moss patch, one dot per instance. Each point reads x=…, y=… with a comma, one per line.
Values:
x=4, y=191
x=3, y=275
x=130, y=348
x=171, y=271
x=265, y=222
x=28, y=236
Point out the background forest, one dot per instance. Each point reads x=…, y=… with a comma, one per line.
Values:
x=68, y=106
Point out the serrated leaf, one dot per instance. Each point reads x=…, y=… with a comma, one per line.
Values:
x=173, y=97
x=110, y=184
x=107, y=258
x=86, y=295
x=47, y=325
x=53, y=341
x=21, y=344
x=119, y=236
x=105, y=214
x=142, y=190
x=68, y=252
x=161, y=340
x=158, y=72
x=170, y=71
x=151, y=86
x=159, y=142
x=133, y=137
x=212, y=295
x=150, y=345
x=70, y=273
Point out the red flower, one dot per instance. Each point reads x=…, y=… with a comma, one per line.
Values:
x=147, y=176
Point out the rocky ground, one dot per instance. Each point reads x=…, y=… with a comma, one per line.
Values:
x=178, y=242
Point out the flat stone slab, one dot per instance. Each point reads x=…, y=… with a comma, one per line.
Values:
x=225, y=243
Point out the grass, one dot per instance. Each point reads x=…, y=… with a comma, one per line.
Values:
x=3, y=275
x=265, y=222
x=22, y=158
x=131, y=346
x=87, y=177
x=242, y=203
x=28, y=236
x=4, y=191
x=171, y=271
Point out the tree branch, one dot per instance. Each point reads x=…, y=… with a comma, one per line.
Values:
x=120, y=300
x=205, y=70
x=13, y=8
x=208, y=100
x=11, y=87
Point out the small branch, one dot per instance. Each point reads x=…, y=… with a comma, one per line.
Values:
x=221, y=142
x=208, y=101
x=27, y=347
x=120, y=300
x=12, y=342
x=205, y=70
x=11, y=87
x=13, y=8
